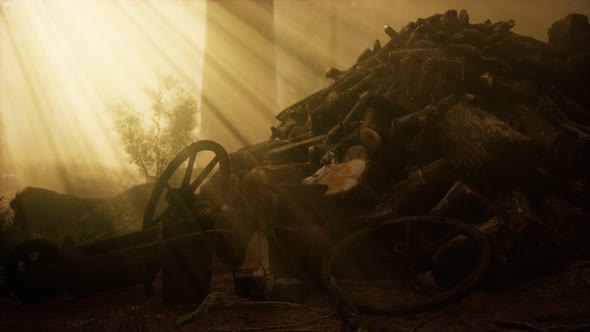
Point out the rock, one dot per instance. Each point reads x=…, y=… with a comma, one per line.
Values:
x=571, y=34
x=54, y=215
x=115, y=216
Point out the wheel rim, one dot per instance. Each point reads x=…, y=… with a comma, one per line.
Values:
x=383, y=269
x=182, y=195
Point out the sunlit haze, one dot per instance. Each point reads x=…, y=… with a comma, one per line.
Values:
x=63, y=62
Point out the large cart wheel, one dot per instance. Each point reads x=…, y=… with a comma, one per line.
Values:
x=178, y=190
x=406, y=265
x=20, y=271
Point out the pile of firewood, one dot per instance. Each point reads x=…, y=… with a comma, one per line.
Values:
x=459, y=119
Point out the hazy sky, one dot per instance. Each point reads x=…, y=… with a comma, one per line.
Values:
x=62, y=62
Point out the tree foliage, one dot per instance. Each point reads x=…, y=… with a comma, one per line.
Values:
x=151, y=139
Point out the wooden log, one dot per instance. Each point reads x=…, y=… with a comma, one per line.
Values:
x=463, y=49
x=418, y=33
x=366, y=54
x=373, y=126
x=349, y=139
x=356, y=152
x=485, y=27
x=376, y=46
x=333, y=73
x=358, y=106
x=343, y=180
x=370, y=138
x=292, y=173
x=463, y=203
x=299, y=132
x=385, y=109
x=242, y=160
x=423, y=188
x=473, y=35
x=390, y=31
x=463, y=18
x=525, y=238
x=316, y=152
x=293, y=152
x=516, y=211
x=449, y=20
x=514, y=90
x=403, y=143
x=330, y=113
x=283, y=130
x=260, y=150
x=311, y=100
x=395, y=56
x=425, y=80
x=426, y=43
x=571, y=34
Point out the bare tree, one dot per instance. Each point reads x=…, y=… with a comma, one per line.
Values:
x=152, y=139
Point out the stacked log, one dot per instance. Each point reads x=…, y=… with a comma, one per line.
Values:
x=449, y=117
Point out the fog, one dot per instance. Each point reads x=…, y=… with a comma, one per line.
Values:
x=63, y=62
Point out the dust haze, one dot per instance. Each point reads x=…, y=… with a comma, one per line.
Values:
x=63, y=62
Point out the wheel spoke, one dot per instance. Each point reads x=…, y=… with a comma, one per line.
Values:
x=183, y=191
x=189, y=171
x=204, y=174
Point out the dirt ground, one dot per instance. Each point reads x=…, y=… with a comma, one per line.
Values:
x=561, y=299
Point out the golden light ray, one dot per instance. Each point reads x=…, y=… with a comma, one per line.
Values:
x=64, y=62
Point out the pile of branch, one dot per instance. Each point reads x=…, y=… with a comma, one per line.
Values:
x=453, y=118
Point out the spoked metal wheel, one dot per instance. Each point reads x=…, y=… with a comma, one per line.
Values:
x=407, y=265
x=22, y=277
x=180, y=189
